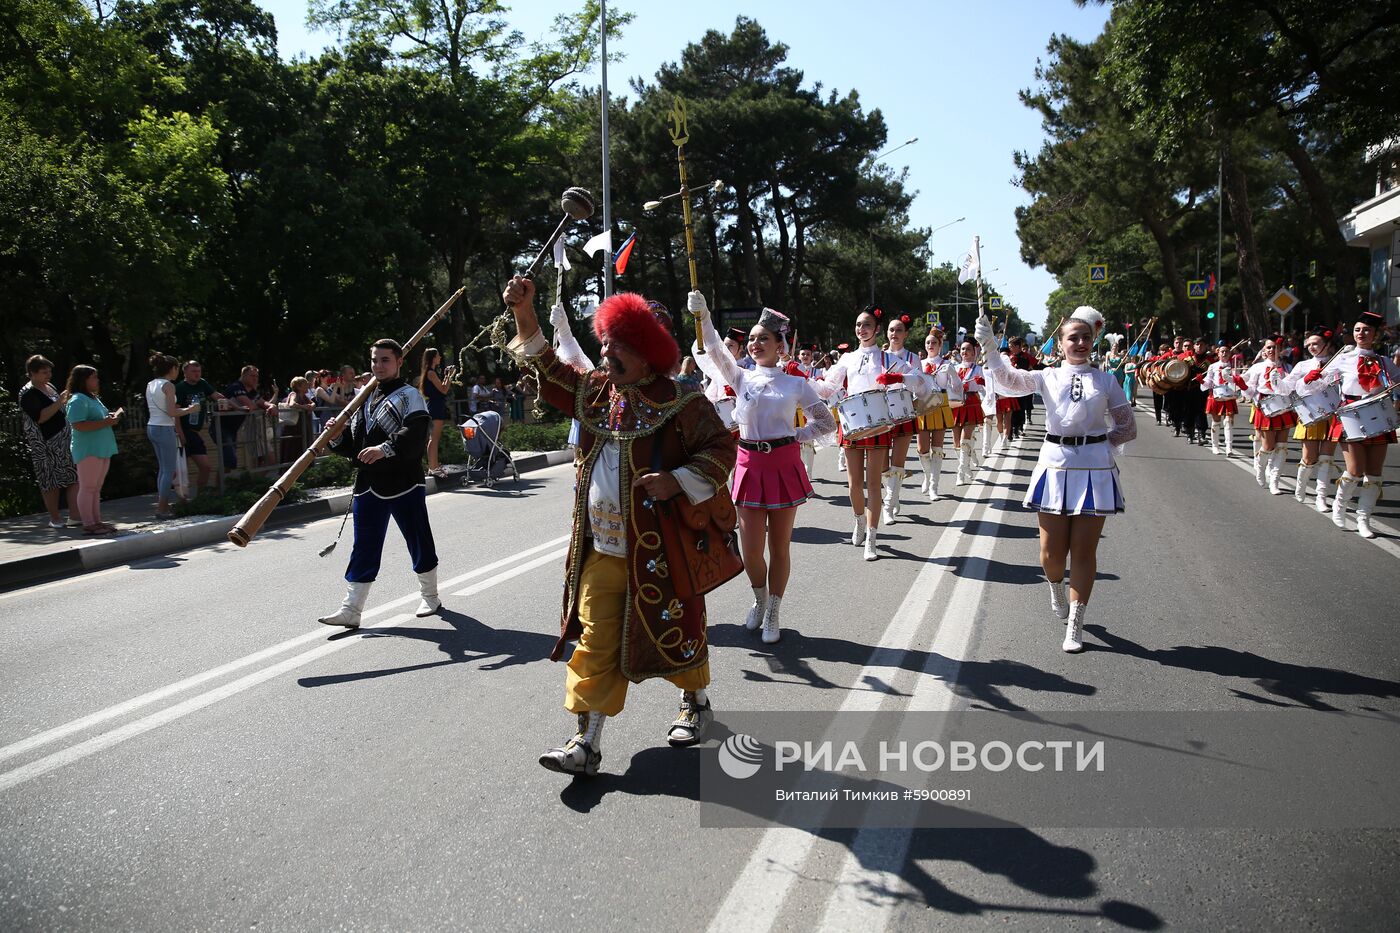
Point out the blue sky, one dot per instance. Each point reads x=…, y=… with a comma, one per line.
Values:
x=946, y=72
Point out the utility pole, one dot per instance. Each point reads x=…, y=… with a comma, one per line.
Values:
x=607, y=176
x=1219, y=239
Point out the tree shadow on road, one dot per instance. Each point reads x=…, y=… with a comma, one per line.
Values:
x=468, y=640
x=1300, y=683
x=1019, y=855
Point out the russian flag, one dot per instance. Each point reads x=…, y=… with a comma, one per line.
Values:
x=623, y=254
x=1210, y=282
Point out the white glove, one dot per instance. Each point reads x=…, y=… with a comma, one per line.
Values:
x=558, y=317
x=695, y=304
x=984, y=333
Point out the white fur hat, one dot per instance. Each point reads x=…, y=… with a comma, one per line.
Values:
x=1089, y=316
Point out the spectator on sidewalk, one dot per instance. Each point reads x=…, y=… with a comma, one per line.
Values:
x=499, y=399
x=239, y=430
x=192, y=390
x=480, y=398
x=294, y=415
x=327, y=398
x=94, y=444
x=163, y=409
x=517, y=401
x=435, y=392
x=49, y=437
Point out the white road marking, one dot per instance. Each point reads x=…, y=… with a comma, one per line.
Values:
x=121, y=709
x=155, y=720
x=758, y=893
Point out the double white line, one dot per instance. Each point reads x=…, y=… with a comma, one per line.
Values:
x=876, y=857
x=493, y=572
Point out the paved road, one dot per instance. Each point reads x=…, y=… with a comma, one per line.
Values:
x=182, y=747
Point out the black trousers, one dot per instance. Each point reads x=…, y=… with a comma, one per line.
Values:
x=1158, y=401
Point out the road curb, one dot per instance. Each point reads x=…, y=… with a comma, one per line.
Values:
x=98, y=555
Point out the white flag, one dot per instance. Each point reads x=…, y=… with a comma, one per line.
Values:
x=561, y=258
x=601, y=241
x=972, y=265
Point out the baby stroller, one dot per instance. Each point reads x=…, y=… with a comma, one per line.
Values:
x=487, y=460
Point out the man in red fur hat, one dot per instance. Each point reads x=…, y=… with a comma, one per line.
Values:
x=642, y=441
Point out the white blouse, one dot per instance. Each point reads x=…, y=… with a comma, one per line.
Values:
x=1266, y=378
x=1344, y=365
x=1079, y=400
x=1294, y=382
x=1219, y=380
x=945, y=378
x=767, y=398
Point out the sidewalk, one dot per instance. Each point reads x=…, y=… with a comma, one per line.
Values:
x=31, y=551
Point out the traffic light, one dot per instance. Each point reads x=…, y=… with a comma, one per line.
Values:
x=1210, y=315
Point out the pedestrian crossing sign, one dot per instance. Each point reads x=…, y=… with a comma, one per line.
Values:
x=932, y=319
x=1283, y=301
x=1098, y=272
x=994, y=303
x=1196, y=289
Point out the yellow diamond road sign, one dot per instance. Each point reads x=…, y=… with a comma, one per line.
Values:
x=1283, y=301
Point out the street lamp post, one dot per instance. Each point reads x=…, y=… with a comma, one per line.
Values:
x=908, y=142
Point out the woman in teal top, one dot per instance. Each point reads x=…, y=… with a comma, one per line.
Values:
x=94, y=445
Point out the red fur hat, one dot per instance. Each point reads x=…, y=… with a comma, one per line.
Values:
x=627, y=319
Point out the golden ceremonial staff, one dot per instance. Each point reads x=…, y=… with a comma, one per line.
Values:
x=680, y=135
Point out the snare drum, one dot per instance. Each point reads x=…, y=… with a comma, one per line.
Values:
x=1372, y=416
x=900, y=400
x=1274, y=405
x=1311, y=409
x=1225, y=392
x=725, y=408
x=864, y=414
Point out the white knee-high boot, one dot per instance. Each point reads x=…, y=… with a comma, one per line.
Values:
x=1346, y=484
x=1213, y=428
x=987, y=431
x=926, y=462
x=965, y=463
x=1261, y=465
x=935, y=471
x=1276, y=458
x=889, y=483
x=1229, y=429
x=1305, y=473
x=1324, y=483
x=1366, y=501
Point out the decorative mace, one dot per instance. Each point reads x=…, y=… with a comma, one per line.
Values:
x=680, y=135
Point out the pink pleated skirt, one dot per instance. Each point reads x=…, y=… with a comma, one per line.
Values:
x=775, y=480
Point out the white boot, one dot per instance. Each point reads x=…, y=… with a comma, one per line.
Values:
x=858, y=530
x=987, y=433
x=1261, y=466
x=1366, y=501
x=934, y=472
x=841, y=459
x=1213, y=428
x=809, y=459
x=428, y=602
x=1058, y=604
x=1074, y=628
x=583, y=753
x=870, y=553
x=889, y=485
x=926, y=462
x=760, y=603
x=1275, y=468
x=348, y=614
x=1229, y=430
x=771, y=632
x=1346, y=483
x=1305, y=472
x=1324, y=482
x=966, y=467
x=897, y=490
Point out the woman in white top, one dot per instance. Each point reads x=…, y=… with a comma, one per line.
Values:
x=769, y=481
x=896, y=332
x=970, y=414
x=1317, y=445
x=935, y=420
x=1075, y=482
x=1266, y=382
x=1360, y=371
x=868, y=368
x=1221, y=382
x=160, y=428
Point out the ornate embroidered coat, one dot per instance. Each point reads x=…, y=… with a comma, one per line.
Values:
x=661, y=635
